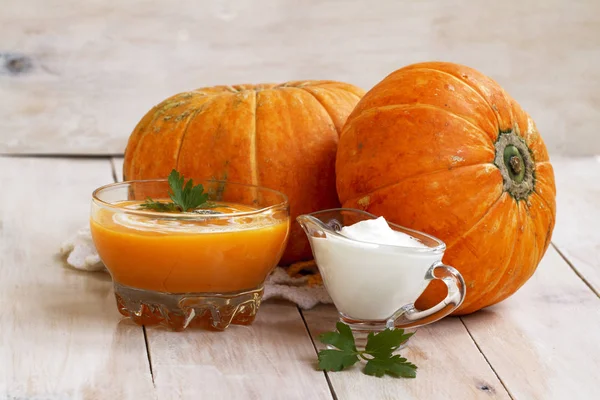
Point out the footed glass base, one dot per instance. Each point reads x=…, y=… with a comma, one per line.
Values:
x=177, y=311
x=361, y=330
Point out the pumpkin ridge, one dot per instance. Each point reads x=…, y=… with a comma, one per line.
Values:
x=296, y=84
x=413, y=106
x=538, y=252
x=437, y=171
x=351, y=93
x=543, y=199
x=331, y=85
x=185, y=129
x=511, y=104
x=194, y=92
x=545, y=203
x=497, y=297
x=355, y=95
x=305, y=89
x=490, y=288
x=514, y=248
x=309, y=83
x=218, y=94
x=473, y=300
x=187, y=124
x=465, y=83
x=491, y=207
x=494, y=108
x=143, y=131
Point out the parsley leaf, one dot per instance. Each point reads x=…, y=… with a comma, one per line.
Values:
x=346, y=356
x=395, y=365
x=342, y=339
x=336, y=360
x=384, y=343
x=185, y=197
x=378, y=352
x=158, y=206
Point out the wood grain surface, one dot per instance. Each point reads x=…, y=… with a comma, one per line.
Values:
x=577, y=233
x=61, y=336
x=543, y=341
x=272, y=359
x=75, y=77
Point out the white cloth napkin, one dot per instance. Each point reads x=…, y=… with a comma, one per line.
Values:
x=81, y=254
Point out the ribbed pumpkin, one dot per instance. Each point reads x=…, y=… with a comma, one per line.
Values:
x=441, y=148
x=282, y=136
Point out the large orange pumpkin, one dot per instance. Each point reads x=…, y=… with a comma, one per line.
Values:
x=441, y=148
x=280, y=136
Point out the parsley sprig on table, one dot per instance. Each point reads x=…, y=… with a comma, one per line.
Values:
x=186, y=197
x=378, y=352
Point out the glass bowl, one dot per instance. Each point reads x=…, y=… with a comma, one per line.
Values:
x=204, y=267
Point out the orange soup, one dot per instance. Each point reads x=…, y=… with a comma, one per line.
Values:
x=172, y=255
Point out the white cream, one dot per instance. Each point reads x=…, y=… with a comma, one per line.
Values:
x=379, y=232
x=373, y=270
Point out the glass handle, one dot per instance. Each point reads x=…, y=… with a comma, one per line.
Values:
x=409, y=317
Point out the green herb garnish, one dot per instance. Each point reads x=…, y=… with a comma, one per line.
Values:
x=186, y=197
x=377, y=353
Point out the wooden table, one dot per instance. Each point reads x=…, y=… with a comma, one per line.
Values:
x=75, y=77
x=61, y=336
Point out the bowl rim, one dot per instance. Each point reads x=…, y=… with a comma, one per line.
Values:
x=440, y=248
x=188, y=215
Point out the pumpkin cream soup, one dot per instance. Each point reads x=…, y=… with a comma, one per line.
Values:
x=200, y=254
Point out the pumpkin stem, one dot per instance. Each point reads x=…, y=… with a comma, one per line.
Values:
x=516, y=165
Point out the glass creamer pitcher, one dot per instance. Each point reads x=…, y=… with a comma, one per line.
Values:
x=374, y=286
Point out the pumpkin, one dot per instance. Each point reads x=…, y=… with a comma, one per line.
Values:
x=283, y=137
x=442, y=148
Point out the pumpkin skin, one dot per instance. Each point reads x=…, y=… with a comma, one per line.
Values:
x=283, y=137
x=441, y=148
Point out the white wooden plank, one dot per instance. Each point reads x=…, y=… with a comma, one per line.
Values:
x=76, y=77
x=543, y=341
x=449, y=365
x=271, y=359
x=578, y=217
x=61, y=335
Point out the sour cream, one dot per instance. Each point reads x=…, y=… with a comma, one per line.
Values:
x=371, y=270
